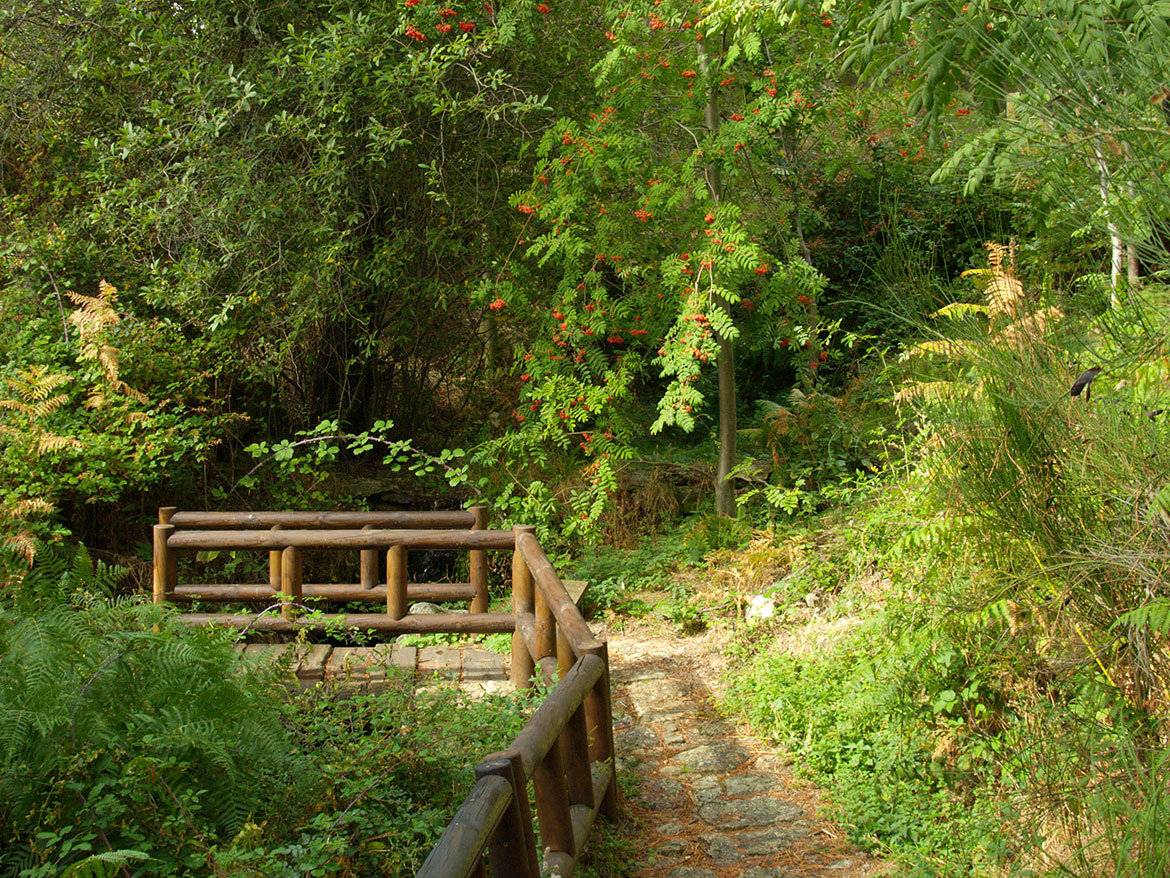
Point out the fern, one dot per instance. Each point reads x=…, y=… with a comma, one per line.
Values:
x=112, y=715
x=1154, y=616
x=107, y=864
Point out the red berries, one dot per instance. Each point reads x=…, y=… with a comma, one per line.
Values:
x=467, y=26
x=414, y=33
x=498, y=304
x=709, y=218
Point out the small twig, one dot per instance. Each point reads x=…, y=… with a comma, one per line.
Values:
x=60, y=306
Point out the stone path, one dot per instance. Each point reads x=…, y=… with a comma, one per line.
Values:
x=359, y=669
x=713, y=801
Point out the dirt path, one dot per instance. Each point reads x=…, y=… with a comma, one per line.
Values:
x=713, y=800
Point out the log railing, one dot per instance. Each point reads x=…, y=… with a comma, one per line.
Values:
x=216, y=530
x=566, y=749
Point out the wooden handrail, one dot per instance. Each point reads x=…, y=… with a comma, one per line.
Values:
x=202, y=520
x=452, y=540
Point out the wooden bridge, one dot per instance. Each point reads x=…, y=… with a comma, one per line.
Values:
x=566, y=748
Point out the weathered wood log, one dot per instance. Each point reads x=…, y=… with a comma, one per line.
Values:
x=477, y=564
x=396, y=582
x=321, y=520
x=164, y=585
x=552, y=804
x=542, y=730
x=368, y=566
x=274, y=563
x=574, y=744
x=291, y=575
x=165, y=514
x=599, y=725
x=431, y=623
x=523, y=604
x=560, y=863
x=438, y=592
x=451, y=540
x=512, y=851
x=460, y=849
x=546, y=626
x=567, y=615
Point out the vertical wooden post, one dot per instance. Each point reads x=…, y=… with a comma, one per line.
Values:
x=513, y=847
x=368, y=566
x=477, y=565
x=599, y=724
x=274, y=565
x=552, y=803
x=396, y=582
x=546, y=625
x=522, y=603
x=164, y=563
x=291, y=573
x=565, y=657
x=574, y=744
x=164, y=517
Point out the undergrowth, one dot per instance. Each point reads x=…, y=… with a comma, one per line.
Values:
x=131, y=744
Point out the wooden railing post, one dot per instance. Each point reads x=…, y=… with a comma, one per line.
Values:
x=291, y=581
x=368, y=575
x=513, y=847
x=477, y=565
x=396, y=582
x=165, y=513
x=523, y=602
x=552, y=803
x=274, y=565
x=164, y=564
x=599, y=725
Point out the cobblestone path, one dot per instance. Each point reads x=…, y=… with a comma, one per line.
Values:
x=713, y=800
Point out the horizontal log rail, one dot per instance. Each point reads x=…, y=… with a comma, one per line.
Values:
x=566, y=749
x=439, y=592
x=322, y=520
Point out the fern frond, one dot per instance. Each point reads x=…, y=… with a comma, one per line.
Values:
x=49, y=443
x=929, y=391
x=947, y=347
x=956, y=310
x=45, y=407
x=107, y=864
x=23, y=543
x=1031, y=327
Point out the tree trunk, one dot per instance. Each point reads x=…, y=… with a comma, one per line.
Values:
x=1116, y=248
x=724, y=490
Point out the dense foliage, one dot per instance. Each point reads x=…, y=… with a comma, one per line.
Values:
x=131, y=744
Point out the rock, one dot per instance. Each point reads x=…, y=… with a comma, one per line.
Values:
x=739, y=785
x=743, y=813
x=815, y=599
x=636, y=738
x=720, y=849
x=663, y=794
x=692, y=872
x=423, y=608
x=759, y=609
x=722, y=756
x=771, y=841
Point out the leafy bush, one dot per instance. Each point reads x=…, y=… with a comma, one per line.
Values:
x=131, y=743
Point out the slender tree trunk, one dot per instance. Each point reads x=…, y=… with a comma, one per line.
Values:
x=724, y=490
x=1133, y=273
x=1117, y=249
